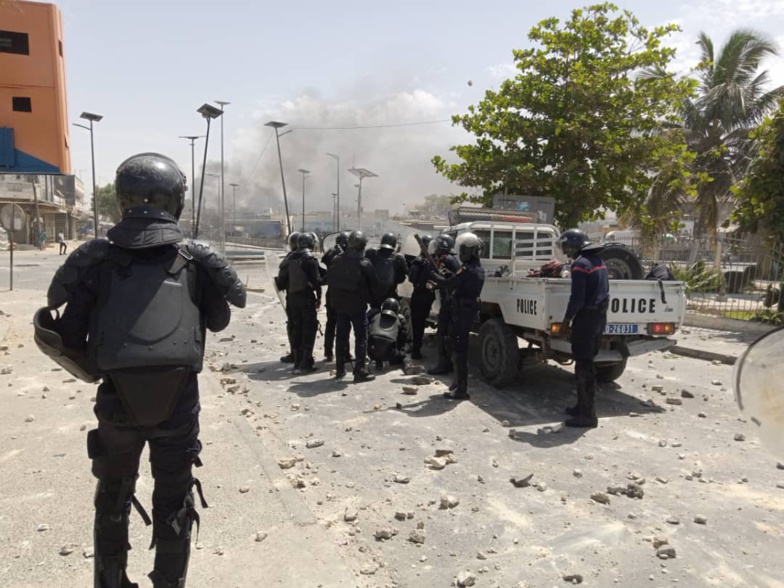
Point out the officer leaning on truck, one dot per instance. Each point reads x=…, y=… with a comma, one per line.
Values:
x=585, y=319
x=137, y=308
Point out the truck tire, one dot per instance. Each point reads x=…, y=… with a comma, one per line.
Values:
x=499, y=354
x=622, y=262
x=610, y=372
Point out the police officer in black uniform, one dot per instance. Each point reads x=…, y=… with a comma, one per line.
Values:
x=443, y=246
x=300, y=277
x=422, y=298
x=387, y=334
x=352, y=280
x=584, y=321
x=138, y=305
x=291, y=356
x=390, y=267
x=341, y=244
x=464, y=288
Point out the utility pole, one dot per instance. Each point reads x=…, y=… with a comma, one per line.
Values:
x=304, y=173
x=222, y=103
x=192, y=139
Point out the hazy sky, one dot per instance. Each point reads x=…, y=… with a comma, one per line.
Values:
x=147, y=65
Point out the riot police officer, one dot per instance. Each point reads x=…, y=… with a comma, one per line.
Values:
x=422, y=298
x=341, y=243
x=300, y=277
x=584, y=321
x=352, y=280
x=388, y=333
x=390, y=268
x=445, y=259
x=292, y=242
x=464, y=288
x=138, y=304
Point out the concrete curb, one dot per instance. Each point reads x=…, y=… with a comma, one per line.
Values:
x=718, y=323
x=702, y=354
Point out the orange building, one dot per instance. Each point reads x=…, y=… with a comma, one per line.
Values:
x=33, y=107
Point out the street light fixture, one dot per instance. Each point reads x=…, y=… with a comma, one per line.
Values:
x=192, y=139
x=277, y=126
x=337, y=194
x=304, y=173
x=234, y=197
x=222, y=103
x=91, y=117
x=361, y=173
x=208, y=112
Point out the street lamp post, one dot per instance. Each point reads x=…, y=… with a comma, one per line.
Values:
x=361, y=173
x=304, y=173
x=222, y=103
x=208, y=112
x=337, y=194
x=92, y=118
x=234, y=201
x=192, y=139
x=278, y=125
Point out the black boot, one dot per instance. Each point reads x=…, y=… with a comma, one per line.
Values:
x=460, y=391
x=307, y=363
x=444, y=365
x=172, y=542
x=290, y=358
x=416, y=352
x=585, y=411
x=110, y=536
x=379, y=366
x=361, y=374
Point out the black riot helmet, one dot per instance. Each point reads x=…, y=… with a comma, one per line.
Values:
x=150, y=180
x=342, y=239
x=444, y=244
x=305, y=241
x=426, y=239
x=571, y=242
x=357, y=241
x=388, y=241
x=390, y=307
x=293, y=238
x=469, y=247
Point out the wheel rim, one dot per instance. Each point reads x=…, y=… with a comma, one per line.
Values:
x=618, y=270
x=491, y=354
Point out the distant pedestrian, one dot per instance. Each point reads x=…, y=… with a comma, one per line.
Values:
x=43, y=239
x=62, y=243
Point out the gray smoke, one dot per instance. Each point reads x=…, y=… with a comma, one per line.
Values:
x=399, y=155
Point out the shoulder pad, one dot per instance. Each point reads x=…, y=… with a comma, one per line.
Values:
x=219, y=269
x=68, y=275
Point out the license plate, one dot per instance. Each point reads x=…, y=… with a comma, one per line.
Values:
x=622, y=329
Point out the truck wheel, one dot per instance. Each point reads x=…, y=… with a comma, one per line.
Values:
x=622, y=262
x=610, y=372
x=499, y=352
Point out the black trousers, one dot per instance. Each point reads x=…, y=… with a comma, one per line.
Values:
x=329, y=330
x=421, y=303
x=359, y=322
x=304, y=327
x=115, y=448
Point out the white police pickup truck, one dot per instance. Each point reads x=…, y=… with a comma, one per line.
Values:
x=515, y=307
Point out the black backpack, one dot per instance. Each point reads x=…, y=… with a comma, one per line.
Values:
x=660, y=272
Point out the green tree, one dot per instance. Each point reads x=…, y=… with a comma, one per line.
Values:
x=577, y=122
x=107, y=203
x=760, y=195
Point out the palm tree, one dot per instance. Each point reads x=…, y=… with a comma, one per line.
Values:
x=732, y=100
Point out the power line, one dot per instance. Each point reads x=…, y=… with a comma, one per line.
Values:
x=258, y=159
x=411, y=124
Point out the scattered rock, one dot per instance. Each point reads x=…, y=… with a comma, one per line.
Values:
x=260, y=536
x=244, y=489
x=716, y=382
x=336, y=453
x=659, y=541
x=413, y=370
x=436, y=463
x=417, y=536
x=6, y=370
x=573, y=579
x=368, y=569
x=657, y=388
x=673, y=520
x=600, y=497
x=88, y=554
x=286, y=463
x=410, y=390
x=448, y=501
x=29, y=418
x=66, y=550
x=686, y=394
x=313, y=443
x=522, y=481
x=780, y=466
x=666, y=552
x=444, y=452
x=385, y=533
x=296, y=481
x=661, y=480
x=739, y=437
x=401, y=479
x=400, y=516
x=700, y=520
x=702, y=415
x=541, y=487
x=42, y=527
x=578, y=473
x=481, y=555
x=466, y=578
x=350, y=515
x=421, y=381
x=675, y=401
